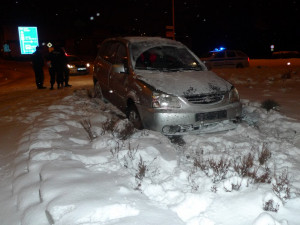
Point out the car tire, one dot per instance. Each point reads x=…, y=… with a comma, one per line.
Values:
x=97, y=90
x=240, y=65
x=134, y=117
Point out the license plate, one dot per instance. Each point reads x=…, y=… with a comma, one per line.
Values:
x=211, y=115
x=81, y=68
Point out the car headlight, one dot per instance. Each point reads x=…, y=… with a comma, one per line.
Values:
x=70, y=66
x=161, y=100
x=234, y=95
x=87, y=65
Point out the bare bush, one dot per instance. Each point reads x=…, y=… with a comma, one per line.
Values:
x=265, y=177
x=115, y=151
x=122, y=132
x=192, y=180
x=264, y=155
x=217, y=170
x=126, y=131
x=258, y=174
x=200, y=163
x=142, y=168
x=86, y=124
x=234, y=187
x=243, y=167
x=130, y=156
x=132, y=151
x=270, y=206
x=220, y=168
x=108, y=125
x=214, y=189
x=281, y=187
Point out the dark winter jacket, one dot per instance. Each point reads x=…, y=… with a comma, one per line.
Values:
x=37, y=59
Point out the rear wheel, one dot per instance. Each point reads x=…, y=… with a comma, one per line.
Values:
x=240, y=65
x=134, y=117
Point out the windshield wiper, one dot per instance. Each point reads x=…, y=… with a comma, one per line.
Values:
x=192, y=68
x=146, y=68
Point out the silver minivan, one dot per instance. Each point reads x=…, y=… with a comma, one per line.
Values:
x=161, y=85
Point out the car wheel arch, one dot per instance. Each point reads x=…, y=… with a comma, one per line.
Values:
x=240, y=65
x=133, y=115
x=97, y=90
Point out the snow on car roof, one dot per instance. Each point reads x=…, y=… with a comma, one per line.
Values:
x=160, y=40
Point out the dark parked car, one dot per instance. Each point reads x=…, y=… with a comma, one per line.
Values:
x=77, y=66
x=286, y=54
x=226, y=58
x=161, y=85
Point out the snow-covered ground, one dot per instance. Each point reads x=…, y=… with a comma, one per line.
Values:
x=53, y=171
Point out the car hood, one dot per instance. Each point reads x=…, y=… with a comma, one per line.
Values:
x=77, y=62
x=185, y=83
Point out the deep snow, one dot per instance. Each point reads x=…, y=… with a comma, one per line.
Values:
x=52, y=173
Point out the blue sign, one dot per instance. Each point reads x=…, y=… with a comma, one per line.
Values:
x=28, y=39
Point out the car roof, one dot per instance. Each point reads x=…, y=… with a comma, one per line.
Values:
x=139, y=39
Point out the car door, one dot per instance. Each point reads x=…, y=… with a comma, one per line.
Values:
x=231, y=59
x=218, y=59
x=118, y=79
x=104, y=62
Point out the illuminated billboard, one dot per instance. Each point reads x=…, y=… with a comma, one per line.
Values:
x=28, y=37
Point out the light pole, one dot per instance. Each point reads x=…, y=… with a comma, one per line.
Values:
x=173, y=19
x=170, y=30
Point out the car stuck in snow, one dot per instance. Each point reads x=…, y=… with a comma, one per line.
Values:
x=162, y=85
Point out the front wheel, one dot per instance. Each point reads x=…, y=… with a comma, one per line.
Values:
x=97, y=90
x=134, y=117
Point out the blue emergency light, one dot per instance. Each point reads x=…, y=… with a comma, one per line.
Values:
x=218, y=49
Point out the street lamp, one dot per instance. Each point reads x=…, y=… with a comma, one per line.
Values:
x=173, y=19
x=170, y=30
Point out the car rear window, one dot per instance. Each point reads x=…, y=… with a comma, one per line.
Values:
x=230, y=54
x=241, y=54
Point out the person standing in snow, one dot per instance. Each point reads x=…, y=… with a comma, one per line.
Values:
x=58, y=64
x=51, y=73
x=66, y=71
x=38, y=64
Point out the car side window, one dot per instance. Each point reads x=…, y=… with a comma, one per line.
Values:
x=102, y=50
x=230, y=54
x=108, y=51
x=121, y=56
x=220, y=55
x=241, y=54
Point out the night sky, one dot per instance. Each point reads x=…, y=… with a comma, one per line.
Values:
x=251, y=26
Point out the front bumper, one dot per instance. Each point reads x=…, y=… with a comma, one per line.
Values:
x=178, y=122
x=79, y=71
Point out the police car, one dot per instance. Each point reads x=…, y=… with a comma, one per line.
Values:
x=222, y=57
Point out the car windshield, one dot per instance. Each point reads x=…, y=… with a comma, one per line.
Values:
x=166, y=58
x=73, y=59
